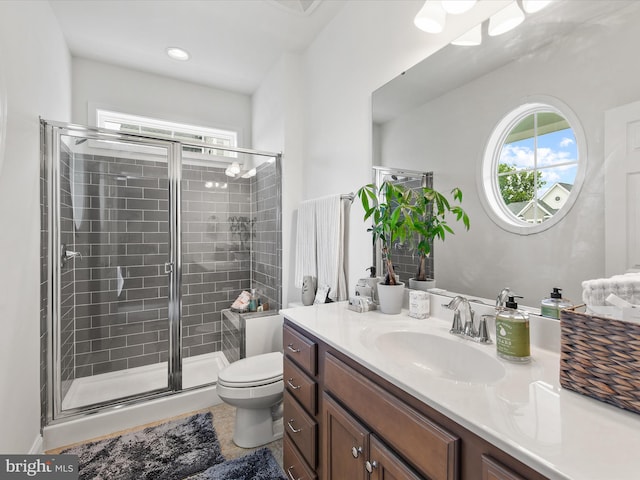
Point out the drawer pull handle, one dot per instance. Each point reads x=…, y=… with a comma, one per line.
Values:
x=356, y=451
x=370, y=465
x=291, y=475
x=292, y=386
x=294, y=350
x=292, y=428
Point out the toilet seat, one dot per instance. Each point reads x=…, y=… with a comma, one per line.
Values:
x=253, y=371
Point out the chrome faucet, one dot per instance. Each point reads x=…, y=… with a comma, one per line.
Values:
x=468, y=329
x=454, y=304
x=503, y=296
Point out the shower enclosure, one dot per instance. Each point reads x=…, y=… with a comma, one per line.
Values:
x=145, y=241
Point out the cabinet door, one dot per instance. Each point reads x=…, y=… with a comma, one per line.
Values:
x=346, y=443
x=383, y=464
x=493, y=470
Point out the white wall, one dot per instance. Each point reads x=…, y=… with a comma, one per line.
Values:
x=367, y=44
x=139, y=93
x=448, y=136
x=36, y=72
x=278, y=107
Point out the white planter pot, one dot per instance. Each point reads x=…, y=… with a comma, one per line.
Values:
x=390, y=298
x=423, y=285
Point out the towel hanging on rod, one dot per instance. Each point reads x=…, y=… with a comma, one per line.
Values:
x=321, y=244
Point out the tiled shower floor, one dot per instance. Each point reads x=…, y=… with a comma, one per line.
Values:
x=198, y=370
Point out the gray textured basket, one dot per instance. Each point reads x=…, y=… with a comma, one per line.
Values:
x=600, y=358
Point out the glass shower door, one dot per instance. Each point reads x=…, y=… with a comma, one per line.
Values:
x=114, y=273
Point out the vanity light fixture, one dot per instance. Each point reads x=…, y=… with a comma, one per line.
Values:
x=506, y=19
x=533, y=6
x=178, y=53
x=470, y=39
x=456, y=7
x=431, y=17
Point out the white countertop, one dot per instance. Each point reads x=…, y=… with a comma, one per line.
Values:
x=526, y=413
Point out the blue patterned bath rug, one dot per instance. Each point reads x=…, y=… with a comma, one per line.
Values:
x=169, y=451
x=257, y=465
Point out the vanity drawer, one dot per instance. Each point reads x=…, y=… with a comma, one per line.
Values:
x=300, y=386
x=301, y=429
x=402, y=427
x=294, y=466
x=301, y=349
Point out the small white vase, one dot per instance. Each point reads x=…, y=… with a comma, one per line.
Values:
x=423, y=285
x=308, y=290
x=390, y=298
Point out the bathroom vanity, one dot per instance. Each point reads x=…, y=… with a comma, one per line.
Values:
x=377, y=396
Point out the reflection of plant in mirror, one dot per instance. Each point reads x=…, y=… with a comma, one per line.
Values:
x=517, y=186
x=428, y=221
x=388, y=208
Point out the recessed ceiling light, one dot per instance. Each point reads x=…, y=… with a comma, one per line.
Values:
x=178, y=53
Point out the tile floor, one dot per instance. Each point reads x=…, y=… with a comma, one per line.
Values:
x=223, y=421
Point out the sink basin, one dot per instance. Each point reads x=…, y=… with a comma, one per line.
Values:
x=447, y=358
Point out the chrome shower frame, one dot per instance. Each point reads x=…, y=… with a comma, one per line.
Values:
x=51, y=131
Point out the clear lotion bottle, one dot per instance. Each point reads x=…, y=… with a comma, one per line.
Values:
x=550, y=307
x=512, y=333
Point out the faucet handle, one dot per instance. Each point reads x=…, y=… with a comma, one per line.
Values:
x=469, y=327
x=483, y=331
x=456, y=327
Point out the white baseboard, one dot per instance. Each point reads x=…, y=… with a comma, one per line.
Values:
x=37, y=447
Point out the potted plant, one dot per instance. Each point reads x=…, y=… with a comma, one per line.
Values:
x=428, y=221
x=389, y=207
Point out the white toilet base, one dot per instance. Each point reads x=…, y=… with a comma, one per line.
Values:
x=255, y=427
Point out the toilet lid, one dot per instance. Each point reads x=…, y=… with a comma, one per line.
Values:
x=253, y=371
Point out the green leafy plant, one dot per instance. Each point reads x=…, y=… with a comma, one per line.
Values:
x=427, y=221
x=388, y=208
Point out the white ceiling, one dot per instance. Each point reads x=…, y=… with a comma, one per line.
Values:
x=233, y=43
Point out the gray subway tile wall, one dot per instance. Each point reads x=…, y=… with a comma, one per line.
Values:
x=266, y=247
x=121, y=293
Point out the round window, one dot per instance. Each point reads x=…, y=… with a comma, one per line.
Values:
x=533, y=167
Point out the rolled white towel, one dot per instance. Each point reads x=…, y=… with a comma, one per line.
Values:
x=627, y=287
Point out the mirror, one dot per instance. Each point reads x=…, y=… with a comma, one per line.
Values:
x=438, y=116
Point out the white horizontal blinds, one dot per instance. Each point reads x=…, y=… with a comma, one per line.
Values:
x=127, y=123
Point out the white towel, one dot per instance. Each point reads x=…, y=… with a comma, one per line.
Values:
x=306, y=242
x=627, y=287
x=322, y=239
x=328, y=242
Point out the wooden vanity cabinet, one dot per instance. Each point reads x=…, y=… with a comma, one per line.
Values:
x=354, y=452
x=300, y=441
x=356, y=425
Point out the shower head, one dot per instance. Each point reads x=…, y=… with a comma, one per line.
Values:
x=80, y=140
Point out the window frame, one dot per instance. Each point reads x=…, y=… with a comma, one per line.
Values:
x=488, y=184
x=177, y=131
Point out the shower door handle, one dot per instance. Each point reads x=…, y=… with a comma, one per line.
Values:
x=67, y=255
x=168, y=267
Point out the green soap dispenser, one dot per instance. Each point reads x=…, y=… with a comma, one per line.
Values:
x=512, y=332
x=550, y=307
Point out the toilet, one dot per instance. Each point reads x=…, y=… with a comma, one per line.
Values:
x=254, y=386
